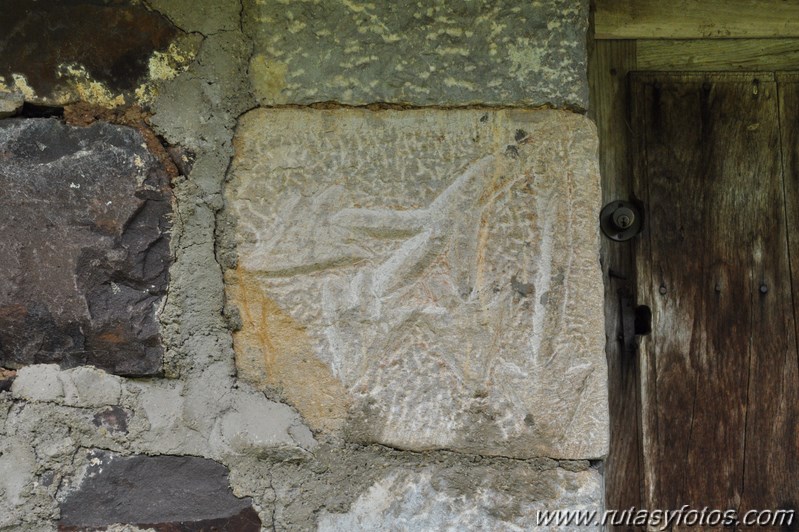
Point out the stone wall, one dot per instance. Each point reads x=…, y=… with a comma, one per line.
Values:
x=291, y=265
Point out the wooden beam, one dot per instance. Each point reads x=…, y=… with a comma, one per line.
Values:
x=609, y=64
x=718, y=54
x=696, y=19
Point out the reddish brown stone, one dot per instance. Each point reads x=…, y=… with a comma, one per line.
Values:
x=84, y=232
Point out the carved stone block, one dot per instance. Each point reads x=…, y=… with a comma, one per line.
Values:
x=424, y=279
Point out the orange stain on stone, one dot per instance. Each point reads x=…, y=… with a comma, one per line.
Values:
x=114, y=336
x=274, y=351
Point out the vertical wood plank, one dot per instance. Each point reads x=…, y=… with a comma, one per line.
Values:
x=719, y=374
x=609, y=64
x=773, y=463
x=647, y=378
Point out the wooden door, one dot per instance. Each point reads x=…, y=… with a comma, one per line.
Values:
x=716, y=168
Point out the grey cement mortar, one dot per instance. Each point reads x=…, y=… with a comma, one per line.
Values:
x=206, y=18
x=202, y=410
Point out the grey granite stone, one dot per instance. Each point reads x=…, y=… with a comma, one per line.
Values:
x=440, y=52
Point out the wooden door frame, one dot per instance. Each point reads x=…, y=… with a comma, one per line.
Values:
x=676, y=36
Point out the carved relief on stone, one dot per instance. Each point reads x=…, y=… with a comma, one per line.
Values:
x=424, y=279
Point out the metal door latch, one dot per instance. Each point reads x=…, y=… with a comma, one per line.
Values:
x=621, y=220
x=636, y=320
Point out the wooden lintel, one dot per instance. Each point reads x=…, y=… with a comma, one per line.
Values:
x=718, y=54
x=696, y=19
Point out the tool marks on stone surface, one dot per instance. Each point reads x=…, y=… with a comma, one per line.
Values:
x=426, y=271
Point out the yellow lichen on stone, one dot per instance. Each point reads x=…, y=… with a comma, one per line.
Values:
x=167, y=65
x=76, y=83
x=268, y=79
x=20, y=84
x=145, y=93
x=81, y=86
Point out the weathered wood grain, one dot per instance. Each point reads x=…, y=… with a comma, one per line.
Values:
x=779, y=456
x=719, y=375
x=696, y=19
x=609, y=64
x=717, y=54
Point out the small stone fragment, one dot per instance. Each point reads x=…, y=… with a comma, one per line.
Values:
x=90, y=387
x=10, y=103
x=6, y=379
x=39, y=383
x=258, y=427
x=114, y=419
x=182, y=158
x=84, y=387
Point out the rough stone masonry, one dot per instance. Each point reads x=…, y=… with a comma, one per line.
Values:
x=319, y=264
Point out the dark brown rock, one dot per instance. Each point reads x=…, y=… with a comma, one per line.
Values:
x=84, y=235
x=165, y=493
x=111, y=39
